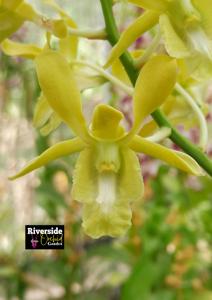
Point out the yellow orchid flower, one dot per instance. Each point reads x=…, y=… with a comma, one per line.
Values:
x=184, y=107
x=44, y=117
x=178, y=110
x=186, y=28
x=69, y=43
x=9, y=20
x=107, y=176
x=13, y=13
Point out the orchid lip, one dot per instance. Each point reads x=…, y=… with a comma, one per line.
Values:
x=107, y=157
x=100, y=139
x=106, y=191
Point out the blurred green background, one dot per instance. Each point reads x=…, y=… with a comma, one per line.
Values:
x=166, y=255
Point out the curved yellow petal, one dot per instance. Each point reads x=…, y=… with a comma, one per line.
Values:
x=69, y=44
x=69, y=47
x=9, y=22
x=105, y=122
x=18, y=49
x=27, y=12
x=52, y=153
x=70, y=22
x=118, y=71
x=85, y=79
x=176, y=159
x=10, y=4
x=199, y=67
x=61, y=11
x=205, y=8
x=97, y=224
x=59, y=87
x=148, y=129
x=154, y=84
x=85, y=177
x=151, y=126
x=169, y=105
x=131, y=186
x=151, y=4
x=112, y=219
x=136, y=29
x=42, y=112
x=59, y=28
x=174, y=44
x=52, y=124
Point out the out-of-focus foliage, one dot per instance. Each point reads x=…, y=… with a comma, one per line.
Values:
x=166, y=255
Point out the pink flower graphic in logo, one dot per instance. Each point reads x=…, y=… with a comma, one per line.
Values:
x=34, y=242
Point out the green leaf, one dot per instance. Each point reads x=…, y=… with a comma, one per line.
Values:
x=139, y=284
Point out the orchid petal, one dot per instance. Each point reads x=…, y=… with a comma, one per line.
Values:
x=154, y=84
x=11, y=4
x=42, y=112
x=69, y=44
x=176, y=159
x=105, y=122
x=151, y=4
x=18, y=49
x=151, y=126
x=59, y=28
x=86, y=80
x=174, y=44
x=52, y=153
x=69, y=47
x=84, y=177
x=97, y=224
x=9, y=22
x=52, y=124
x=136, y=29
x=119, y=72
x=62, y=12
x=205, y=8
x=148, y=129
x=131, y=186
x=199, y=67
x=45, y=117
x=27, y=12
x=60, y=89
x=99, y=217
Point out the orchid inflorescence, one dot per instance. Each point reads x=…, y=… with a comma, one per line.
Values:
x=107, y=176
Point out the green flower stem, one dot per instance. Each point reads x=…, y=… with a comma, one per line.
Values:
x=158, y=116
x=113, y=36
